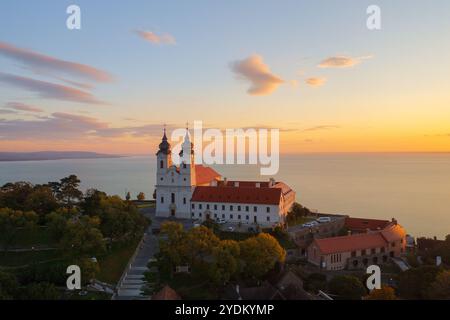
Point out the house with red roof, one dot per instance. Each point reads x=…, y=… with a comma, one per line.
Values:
x=193, y=191
x=358, y=250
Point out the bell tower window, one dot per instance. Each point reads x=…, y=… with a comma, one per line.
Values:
x=161, y=164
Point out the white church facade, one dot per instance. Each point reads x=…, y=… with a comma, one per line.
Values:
x=191, y=191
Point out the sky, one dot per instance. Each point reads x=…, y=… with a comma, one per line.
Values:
x=310, y=68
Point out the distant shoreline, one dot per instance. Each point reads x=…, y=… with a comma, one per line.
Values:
x=53, y=155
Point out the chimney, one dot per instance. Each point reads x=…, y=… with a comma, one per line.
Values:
x=272, y=182
x=349, y=232
x=394, y=221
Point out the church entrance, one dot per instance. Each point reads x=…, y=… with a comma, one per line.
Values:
x=172, y=212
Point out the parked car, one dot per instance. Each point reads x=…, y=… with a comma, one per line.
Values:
x=221, y=221
x=310, y=224
x=323, y=219
x=231, y=229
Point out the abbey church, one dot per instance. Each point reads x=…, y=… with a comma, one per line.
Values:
x=193, y=191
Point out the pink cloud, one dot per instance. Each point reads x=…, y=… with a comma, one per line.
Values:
x=254, y=70
x=152, y=37
x=23, y=107
x=341, y=61
x=315, y=81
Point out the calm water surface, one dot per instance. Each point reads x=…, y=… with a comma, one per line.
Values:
x=414, y=188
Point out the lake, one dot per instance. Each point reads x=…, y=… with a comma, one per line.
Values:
x=412, y=187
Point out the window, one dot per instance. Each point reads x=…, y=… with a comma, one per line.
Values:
x=215, y=207
x=393, y=244
x=268, y=218
x=373, y=251
x=363, y=252
x=200, y=206
x=231, y=216
x=353, y=254
x=172, y=196
x=161, y=164
x=215, y=215
x=239, y=208
x=207, y=206
x=383, y=250
x=199, y=214
x=223, y=207
x=193, y=214
x=247, y=217
x=184, y=200
x=247, y=208
x=255, y=209
x=267, y=209
x=239, y=216
x=223, y=216
x=162, y=199
x=162, y=178
x=231, y=208
x=193, y=206
x=184, y=165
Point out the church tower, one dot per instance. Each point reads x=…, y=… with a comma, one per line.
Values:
x=174, y=185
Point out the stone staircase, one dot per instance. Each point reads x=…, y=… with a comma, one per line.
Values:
x=132, y=281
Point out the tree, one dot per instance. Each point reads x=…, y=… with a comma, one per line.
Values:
x=440, y=288
x=128, y=196
x=385, y=293
x=198, y=244
x=91, y=204
x=68, y=190
x=41, y=291
x=347, y=287
x=260, y=254
x=296, y=212
x=141, y=196
x=10, y=222
x=8, y=286
x=41, y=200
x=82, y=238
x=414, y=283
x=226, y=261
x=172, y=238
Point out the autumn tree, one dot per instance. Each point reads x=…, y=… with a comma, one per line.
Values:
x=385, y=293
x=260, y=254
x=226, y=261
x=11, y=221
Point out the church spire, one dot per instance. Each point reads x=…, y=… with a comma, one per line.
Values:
x=164, y=146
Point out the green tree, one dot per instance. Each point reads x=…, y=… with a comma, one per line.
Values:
x=141, y=196
x=172, y=238
x=440, y=288
x=226, y=261
x=11, y=221
x=415, y=283
x=260, y=254
x=68, y=191
x=82, y=238
x=198, y=244
x=347, y=287
x=128, y=196
x=42, y=201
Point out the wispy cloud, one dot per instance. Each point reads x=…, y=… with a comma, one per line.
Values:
x=154, y=38
x=323, y=127
x=315, y=81
x=68, y=126
x=23, y=107
x=41, y=62
x=7, y=111
x=342, y=61
x=254, y=70
x=49, y=90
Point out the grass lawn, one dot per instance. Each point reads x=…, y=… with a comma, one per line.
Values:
x=114, y=263
x=16, y=259
x=38, y=236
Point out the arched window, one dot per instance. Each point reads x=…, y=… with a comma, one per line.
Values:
x=161, y=164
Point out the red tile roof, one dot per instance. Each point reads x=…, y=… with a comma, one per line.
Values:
x=393, y=232
x=361, y=224
x=251, y=195
x=204, y=175
x=350, y=243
